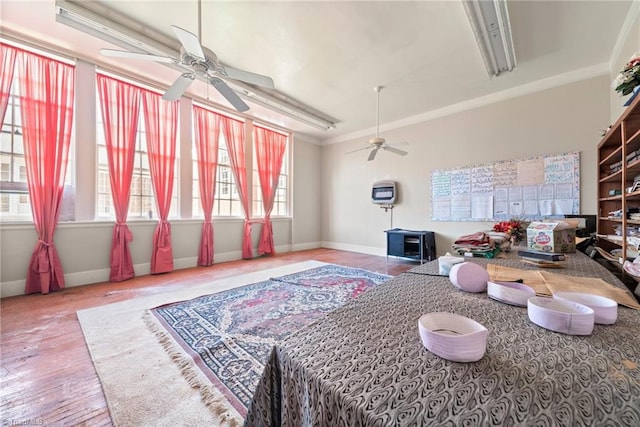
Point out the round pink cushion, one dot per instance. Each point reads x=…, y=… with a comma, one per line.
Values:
x=469, y=277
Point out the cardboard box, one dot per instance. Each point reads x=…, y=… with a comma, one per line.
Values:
x=547, y=236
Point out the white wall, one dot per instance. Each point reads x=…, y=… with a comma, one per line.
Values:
x=306, y=232
x=629, y=46
x=563, y=119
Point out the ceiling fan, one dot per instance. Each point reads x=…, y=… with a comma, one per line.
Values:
x=199, y=61
x=377, y=143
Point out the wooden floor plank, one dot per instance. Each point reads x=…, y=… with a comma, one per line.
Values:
x=47, y=376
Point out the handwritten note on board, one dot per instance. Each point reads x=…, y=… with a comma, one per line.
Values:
x=525, y=188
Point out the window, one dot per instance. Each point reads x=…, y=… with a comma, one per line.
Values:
x=227, y=197
x=14, y=194
x=14, y=191
x=141, y=199
x=281, y=201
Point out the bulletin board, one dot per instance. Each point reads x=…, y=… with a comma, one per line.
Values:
x=530, y=188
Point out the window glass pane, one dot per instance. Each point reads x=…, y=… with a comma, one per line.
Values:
x=17, y=114
x=18, y=144
x=15, y=207
x=13, y=172
x=5, y=139
x=236, y=208
x=4, y=203
x=5, y=167
x=224, y=206
x=19, y=169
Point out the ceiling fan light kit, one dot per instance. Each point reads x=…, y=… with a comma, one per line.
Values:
x=489, y=21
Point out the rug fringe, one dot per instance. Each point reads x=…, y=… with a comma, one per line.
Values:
x=212, y=398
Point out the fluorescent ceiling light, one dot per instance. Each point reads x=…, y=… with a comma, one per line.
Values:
x=290, y=109
x=105, y=24
x=490, y=23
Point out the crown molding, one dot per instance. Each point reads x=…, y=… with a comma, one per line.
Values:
x=515, y=92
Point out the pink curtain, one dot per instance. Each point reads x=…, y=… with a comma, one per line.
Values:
x=46, y=94
x=269, y=150
x=120, y=104
x=161, y=127
x=6, y=76
x=234, y=135
x=207, y=136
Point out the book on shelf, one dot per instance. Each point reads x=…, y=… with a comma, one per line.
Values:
x=546, y=256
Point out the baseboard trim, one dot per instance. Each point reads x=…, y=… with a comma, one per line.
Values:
x=306, y=246
x=81, y=278
x=369, y=250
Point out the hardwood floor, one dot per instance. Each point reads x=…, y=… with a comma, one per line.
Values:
x=47, y=376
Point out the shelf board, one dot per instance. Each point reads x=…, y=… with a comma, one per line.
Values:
x=634, y=195
x=606, y=218
x=612, y=157
x=633, y=138
x=613, y=138
x=609, y=239
x=634, y=166
x=629, y=221
x=611, y=198
x=614, y=177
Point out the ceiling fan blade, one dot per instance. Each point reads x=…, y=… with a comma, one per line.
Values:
x=229, y=94
x=359, y=149
x=395, y=144
x=190, y=42
x=178, y=87
x=372, y=155
x=394, y=150
x=248, y=77
x=135, y=55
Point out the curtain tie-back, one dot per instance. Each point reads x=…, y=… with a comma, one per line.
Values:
x=165, y=233
x=127, y=231
x=45, y=257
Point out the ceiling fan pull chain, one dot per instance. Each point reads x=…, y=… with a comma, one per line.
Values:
x=200, y=20
x=378, y=89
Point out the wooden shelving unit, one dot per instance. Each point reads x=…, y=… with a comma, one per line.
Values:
x=617, y=147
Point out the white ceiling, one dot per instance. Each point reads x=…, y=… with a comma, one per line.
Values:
x=330, y=55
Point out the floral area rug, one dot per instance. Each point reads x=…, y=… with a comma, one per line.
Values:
x=228, y=335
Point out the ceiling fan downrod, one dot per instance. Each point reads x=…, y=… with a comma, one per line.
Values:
x=377, y=89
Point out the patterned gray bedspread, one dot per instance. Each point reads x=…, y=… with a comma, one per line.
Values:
x=364, y=364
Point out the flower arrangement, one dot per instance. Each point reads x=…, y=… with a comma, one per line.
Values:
x=513, y=227
x=629, y=77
